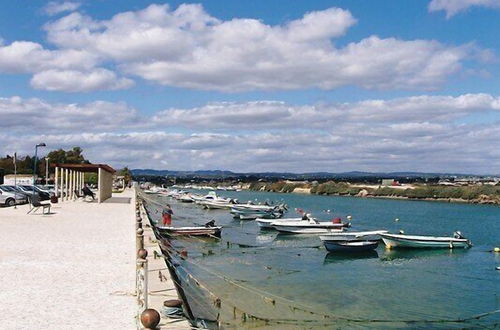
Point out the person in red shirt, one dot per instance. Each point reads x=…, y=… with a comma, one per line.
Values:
x=166, y=215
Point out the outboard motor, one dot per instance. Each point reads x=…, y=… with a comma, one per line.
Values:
x=210, y=224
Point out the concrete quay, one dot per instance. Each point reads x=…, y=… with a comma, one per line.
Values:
x=75, y=268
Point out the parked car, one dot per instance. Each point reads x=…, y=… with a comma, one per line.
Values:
x=23, y=191
x=44, y=195
x=10, y=197
x=40, y=190
x=50, y=188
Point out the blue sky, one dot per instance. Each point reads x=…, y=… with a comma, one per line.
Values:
x=256, y=85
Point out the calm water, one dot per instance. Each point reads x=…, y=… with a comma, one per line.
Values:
x=274, y=276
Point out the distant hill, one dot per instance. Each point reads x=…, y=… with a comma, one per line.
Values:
x=288, y=175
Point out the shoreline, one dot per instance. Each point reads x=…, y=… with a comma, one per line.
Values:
x=486, y=200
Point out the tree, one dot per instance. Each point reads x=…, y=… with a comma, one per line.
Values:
x=125, y=172
x=25, y=164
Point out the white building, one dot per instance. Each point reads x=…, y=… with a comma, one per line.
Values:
x=11, y=179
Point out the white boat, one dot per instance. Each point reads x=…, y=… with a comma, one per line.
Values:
x=252, y=207
x=217, y=204
x=412, y=241
x=251, y=212
x=212, y=195
x=311, y=226
x=186, y=198
x=267, y=223
x=373, y=235
x=153, y=190
x=252, y=215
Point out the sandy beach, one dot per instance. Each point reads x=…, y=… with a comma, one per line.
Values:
x=73, y=269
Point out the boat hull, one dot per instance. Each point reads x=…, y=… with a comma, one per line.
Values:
x=190, y=231
x=354, y=236
x=423, y=242
x=215, y=206
x=357, y=246
x=267, y=223
x=305, y=230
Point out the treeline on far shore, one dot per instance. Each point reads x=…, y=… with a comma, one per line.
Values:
x=483, y=194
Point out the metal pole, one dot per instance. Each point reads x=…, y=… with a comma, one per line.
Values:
x=46, y=171
x=15, y=178
x=34, y=168
x=56, y=181
x=34, y=173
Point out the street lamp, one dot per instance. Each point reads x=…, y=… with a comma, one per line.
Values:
x=47, y=171
x=34, y=168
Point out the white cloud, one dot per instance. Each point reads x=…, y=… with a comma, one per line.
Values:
x=422, y=133
x=26, y=57
x=187, y=47
x=70, y=70
x=55, y=7
x=78, y=81
x=35, y=116
x=265, y=115
x=453, y=7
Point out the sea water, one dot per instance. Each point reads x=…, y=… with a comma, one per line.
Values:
x=281, y=278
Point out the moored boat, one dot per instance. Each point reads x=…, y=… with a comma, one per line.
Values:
x=186, y=198
x=252, y=212
x=190, y=231
x=217, y=204
x=309, y=226
x=350, y=246
x=426, y=242
x=267, y=223
x=373, y=235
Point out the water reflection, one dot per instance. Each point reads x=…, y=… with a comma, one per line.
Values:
x=396, y=254
x=344, y=257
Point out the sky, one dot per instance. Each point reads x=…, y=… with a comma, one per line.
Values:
x=301, y=86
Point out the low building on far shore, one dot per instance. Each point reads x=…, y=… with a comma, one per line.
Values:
x=389, y=183
x=11, y=179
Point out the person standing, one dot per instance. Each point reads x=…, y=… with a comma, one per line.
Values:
x=166, y=215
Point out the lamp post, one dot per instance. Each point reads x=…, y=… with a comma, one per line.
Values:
x=47, y=171
x=34, y=168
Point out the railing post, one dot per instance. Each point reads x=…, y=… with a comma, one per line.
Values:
x=142, y=284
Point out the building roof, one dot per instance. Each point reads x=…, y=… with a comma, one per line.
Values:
x=94, y=168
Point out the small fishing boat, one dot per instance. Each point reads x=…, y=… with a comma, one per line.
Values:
x=252, y=212
x=373, y=235
x=212, y=195
x=308, y=226
x=412, y=241
x=262, y=215
x=350, y=246
x=187, y=198
x=260, y=208
x=190, y=231
x=267, y=223
x=217, y=204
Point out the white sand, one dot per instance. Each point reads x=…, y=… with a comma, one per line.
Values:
x=66, y=270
